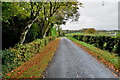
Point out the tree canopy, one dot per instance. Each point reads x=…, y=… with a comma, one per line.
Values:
x=23, y=19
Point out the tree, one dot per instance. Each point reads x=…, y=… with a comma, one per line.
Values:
x=35, y=9
x=61, y=13
x=49, y=10
x=13, y=20
x=22, y=16
x=90, y=31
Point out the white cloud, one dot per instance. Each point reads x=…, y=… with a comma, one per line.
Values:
x=97, y=16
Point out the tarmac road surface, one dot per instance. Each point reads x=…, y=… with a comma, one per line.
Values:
x=71, y=61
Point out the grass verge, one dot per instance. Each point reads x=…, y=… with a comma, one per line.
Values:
x=36, y=65
x=111, y=60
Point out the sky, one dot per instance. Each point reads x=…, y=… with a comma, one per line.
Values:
x=94, y=15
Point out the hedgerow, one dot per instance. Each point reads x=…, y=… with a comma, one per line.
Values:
x=14, y=57
x=103, y=42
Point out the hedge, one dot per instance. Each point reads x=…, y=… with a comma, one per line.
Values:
x=103, y=42
x=14, y=57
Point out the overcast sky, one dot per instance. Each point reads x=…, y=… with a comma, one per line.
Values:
x=94, y=15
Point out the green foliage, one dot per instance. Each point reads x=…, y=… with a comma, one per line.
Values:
x=33, y=33
x=17, y=16
x=54, y=32
x=13, y=21
x=12, y=9
x=14, y=57
x=103, y=42
x=118, y=35
x=90, y=31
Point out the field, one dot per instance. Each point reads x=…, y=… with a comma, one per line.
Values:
x=100, y=34
x=97, y=34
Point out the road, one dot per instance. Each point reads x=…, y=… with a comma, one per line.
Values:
x=71, y=61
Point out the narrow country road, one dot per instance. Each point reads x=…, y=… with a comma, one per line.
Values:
x=71, y=61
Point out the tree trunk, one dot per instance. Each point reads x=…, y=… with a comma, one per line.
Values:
x=46, y=29
x=25, y=31
x=59, y=31
x=44, y=35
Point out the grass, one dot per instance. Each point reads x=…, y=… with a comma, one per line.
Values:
x=35, y=67
x=110, y=59
x=97, y=34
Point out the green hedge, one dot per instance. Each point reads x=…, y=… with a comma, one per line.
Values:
x=14, y=57
x=103, y=42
